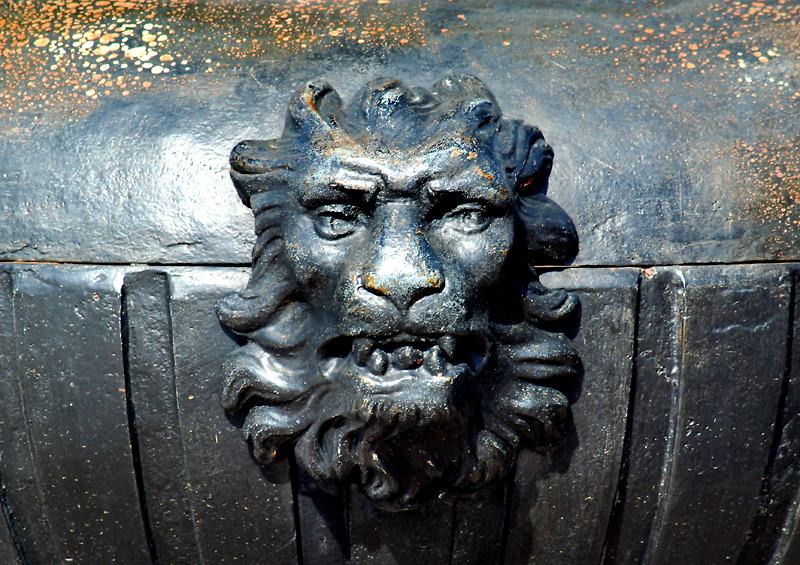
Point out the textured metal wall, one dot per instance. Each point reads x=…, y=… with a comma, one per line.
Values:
x=684, y=447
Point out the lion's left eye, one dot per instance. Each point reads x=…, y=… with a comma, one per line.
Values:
x=337, y=220
x=468, y=218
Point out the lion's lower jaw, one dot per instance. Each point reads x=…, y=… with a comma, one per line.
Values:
x=405, y=430
x=396, y=458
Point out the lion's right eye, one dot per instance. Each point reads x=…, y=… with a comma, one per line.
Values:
x=337, y=220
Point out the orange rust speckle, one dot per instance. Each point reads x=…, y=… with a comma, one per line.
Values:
x=370, y=280
x=766, y=186
x=55, y=76
x=213, y=34
x=310, y=100
x=484, y=175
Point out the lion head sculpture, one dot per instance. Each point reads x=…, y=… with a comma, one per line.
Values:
x=399, y=336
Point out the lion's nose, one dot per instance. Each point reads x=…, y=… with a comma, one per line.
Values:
x=402, y=266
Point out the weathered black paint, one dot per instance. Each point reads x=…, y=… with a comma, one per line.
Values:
x=623, y=529
x=657, y=162
x=153, y=411
x=673, y=166
x=21, y=497
x=568, y=496
x=241, y=514
x=73, y=389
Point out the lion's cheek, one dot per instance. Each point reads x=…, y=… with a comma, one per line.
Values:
x=318, y=265
x=480, y=258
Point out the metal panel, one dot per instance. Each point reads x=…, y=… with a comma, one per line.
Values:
x=397, y=538
x=323, y=524
x=21, y=496
x=8, y=552
x=151, y=380
x=783, y=479
x=241, y=514
x=479, y=528
x=713, y=370
x=661, y=311
x=561, y=503
x=729, y=387
x=73, y=386
x=774, y=537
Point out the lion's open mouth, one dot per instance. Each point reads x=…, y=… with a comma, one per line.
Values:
x=390, y=364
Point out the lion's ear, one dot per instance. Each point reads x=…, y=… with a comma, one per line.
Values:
x=525, y=156
x=550, y=235
x=316, y=108
x=257, y=166
x=464, y=87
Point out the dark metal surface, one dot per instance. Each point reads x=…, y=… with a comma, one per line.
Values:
x=674, y=123
x=568, y=496
x=608, y=499
x=241, y=514
x=157, y=446
x=79, y=468
x=676, y=137
x=700, y=438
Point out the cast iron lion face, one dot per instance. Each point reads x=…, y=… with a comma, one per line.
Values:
x=398, y=334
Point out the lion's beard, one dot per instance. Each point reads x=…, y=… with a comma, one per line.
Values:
x=459, y=433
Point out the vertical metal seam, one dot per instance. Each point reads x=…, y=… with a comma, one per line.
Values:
x=678, y=303
x=189, y=497
x=9, y=521
x=618, y=505
x=43, y=500
x=777, y=436
x=8, y=287
x=790, y=522
x=294, y=477
x=132, y=431
x=510, y=481
x=346, y=500
x=453, y=521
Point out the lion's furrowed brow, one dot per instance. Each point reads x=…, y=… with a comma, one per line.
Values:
x=469, y=190
x=340, y=184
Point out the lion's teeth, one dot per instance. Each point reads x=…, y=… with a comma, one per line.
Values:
x=435, y=361
x=448, y=345
x=406, y=357
x=362, y=348
x=378, y=362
